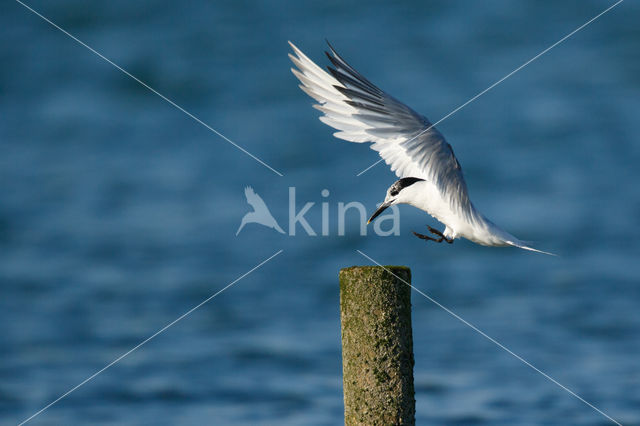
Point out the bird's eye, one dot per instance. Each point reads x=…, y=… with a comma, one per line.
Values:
x=394, y=192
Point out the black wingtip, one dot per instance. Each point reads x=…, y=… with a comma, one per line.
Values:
x=333, y=54
x=333, y=51
x=329, y=44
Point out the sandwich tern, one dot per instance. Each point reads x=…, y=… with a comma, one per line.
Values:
x=430, y=175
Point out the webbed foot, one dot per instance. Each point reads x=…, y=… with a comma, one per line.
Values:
x=435, y=232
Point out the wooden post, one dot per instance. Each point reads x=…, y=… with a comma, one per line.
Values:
x=377, y=346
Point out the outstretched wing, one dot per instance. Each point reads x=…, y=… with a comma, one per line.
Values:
x=361, y=112
x=254, y=200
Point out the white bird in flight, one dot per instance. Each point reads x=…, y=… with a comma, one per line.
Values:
x=430, y=175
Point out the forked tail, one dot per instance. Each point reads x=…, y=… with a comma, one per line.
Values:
x=523, y=246
x=499, y=237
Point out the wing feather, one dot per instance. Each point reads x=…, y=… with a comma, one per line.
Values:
x=361, y=112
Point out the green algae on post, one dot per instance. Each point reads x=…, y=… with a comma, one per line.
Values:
x=377, y=345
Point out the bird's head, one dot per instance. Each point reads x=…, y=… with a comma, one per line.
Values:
x=400, y=192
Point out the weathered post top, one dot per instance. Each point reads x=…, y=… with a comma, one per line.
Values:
x=377, y=345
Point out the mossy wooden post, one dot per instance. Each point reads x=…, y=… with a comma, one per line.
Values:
x=377, y=345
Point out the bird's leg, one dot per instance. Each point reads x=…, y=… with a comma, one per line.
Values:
x=426, y=237
x=435, y=232
x=440, y=234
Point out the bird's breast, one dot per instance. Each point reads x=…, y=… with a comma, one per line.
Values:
x=433, y=202
x=464, y=222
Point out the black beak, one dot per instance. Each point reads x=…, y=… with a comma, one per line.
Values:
x=382, y=208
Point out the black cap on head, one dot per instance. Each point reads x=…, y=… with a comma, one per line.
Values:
x=403, y=183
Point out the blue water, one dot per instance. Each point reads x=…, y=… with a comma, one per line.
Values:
x=118, y=212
